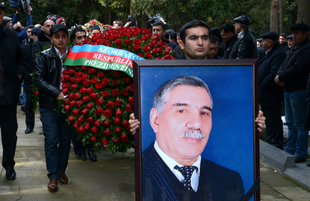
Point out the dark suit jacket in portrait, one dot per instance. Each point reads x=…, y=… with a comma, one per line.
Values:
x=216, y=183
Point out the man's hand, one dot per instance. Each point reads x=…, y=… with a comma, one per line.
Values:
x=60, y=95
x=134, y=124
x=260, y=120
x=127, y=24
x=19, y=77
x=277, y=81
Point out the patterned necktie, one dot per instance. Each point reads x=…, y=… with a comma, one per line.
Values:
x=187, y=172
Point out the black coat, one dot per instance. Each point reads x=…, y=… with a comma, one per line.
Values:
x=270, y=94
x=29, y=66
x=285, y=46
x=296, y=67
x=11, y=58
x=42, y=43
x=229, y=46
x=48, y=77
x=245, y=47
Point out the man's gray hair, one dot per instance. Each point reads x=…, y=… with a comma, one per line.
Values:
x=160, y=97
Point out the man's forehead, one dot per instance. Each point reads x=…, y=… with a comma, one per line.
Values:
x=48, y=22
x=157, y=27
x=199, y=31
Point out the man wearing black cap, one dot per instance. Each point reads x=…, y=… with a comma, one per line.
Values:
x=94, y=30
x=57, y=132
x=245, y=47
x=11, y=60
x=271, y=94
x=7, y=22
x=283, y=41
x=293, y=75
x=290, y=43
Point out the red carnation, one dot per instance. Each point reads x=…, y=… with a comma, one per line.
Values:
x=85, y=99
x=148, y=55
x=89, y=120
x=118, y=130
x=137, y=41
x=79, y=103
x=78, y=74
x=99, y=101
x=76, y=96
x=93, y=96
x=76, y=124
x=80, y=130
x=99, y=111
x=125, y=92
x=93, y=22
x=127, y=42
x=115, y=92
x=74, y=86
x=145, y=48
x=71, y=96
x=70, y=119
x=136, y=47
x=115, y=140
x=94, y=80
x=116, y=73
x=97, y=123
x=80, y=119
x=91, y=71
x=79, y=80
x=36, y=93
x=93, y=138
x=118, y=42
x=72, y=103
x=65, y=72
x=106, y=132
x=84, y=67
x=82, y=90
x=131, y=101
x=118, y=113
x=128, y=108
x=84, y=111
x=123, y=138
x=89, y=106
x=108, y=113
x=87, y=126
x=117, y=121
x=89, y=90
x=105, y=81
x=106, y=123
x=118, y=102
x=86, y=82
x=131, y=87
x=71, y=71
x=66, y=77
x=125, y=124
x=127, y=79
x=85, y=76
x=104, y=142
x=72, y=79
x=65, y=91
x=100, y=75
x=66, y=101
x=67, y=107
x=75, y=112
x=94, y=130
x=115, y=82
x=98, y=86
x=110, y=105
x=105, y=93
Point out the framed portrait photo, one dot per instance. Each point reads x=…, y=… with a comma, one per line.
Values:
x=197, y=138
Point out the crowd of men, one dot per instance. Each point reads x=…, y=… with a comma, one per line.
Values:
x=283, y=78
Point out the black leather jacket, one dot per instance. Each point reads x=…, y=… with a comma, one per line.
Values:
x=245, y=47
x=48, y=77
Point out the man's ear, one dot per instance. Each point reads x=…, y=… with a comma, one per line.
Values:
x=154, y=119
x=181, y=44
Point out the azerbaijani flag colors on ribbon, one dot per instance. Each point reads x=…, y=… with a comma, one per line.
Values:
x=102, y=57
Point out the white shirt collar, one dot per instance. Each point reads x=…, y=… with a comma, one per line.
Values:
x=240, y=33
x=61, y=56
x=171, y=163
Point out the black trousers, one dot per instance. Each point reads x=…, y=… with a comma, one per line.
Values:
x=274, y=125
x=29, y=110
x=8, y=123
x=78, y=147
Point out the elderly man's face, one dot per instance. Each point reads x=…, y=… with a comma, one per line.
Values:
x=299, y=37
x=187, y=109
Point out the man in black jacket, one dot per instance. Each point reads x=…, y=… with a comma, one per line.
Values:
x=245, y=47
x=57, y=132
x=229, y=37
x=12, y=72
x=293, y=75
x=283, y=41
x=271, y=94
x=43, y=41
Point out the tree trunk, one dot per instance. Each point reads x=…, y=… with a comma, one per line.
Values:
x=280, y=16
x=303, y=14
x=274, y=19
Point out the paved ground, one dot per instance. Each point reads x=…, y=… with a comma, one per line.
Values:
x=111, y=178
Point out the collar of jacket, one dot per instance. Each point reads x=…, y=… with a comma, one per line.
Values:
x=302, y=44
x=43, y=37
x=53, y=53
x=276, y=46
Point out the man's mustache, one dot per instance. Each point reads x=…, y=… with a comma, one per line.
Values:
x=191, y=133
